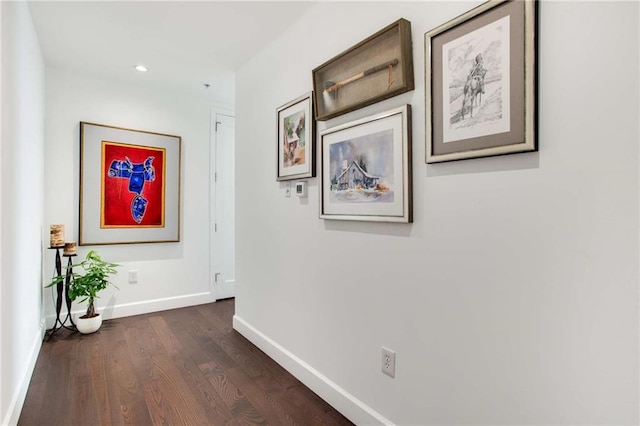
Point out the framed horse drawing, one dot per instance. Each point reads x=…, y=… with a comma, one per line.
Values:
x=480, y=82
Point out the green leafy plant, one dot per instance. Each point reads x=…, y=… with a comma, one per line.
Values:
x=93, y=279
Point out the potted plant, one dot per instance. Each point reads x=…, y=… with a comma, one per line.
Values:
x=85, y=285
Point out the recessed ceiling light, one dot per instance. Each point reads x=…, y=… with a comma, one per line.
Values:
x=142, y=68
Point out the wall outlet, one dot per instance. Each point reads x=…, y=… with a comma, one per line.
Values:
x=388, y=362
x=133, y=277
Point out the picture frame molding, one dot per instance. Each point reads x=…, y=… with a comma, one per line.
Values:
x=407, y=175
x=90, y=232
x=310, y=132
x=403, y=44
x=530, y=142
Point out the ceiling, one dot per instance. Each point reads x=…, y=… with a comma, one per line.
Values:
x=185, y=45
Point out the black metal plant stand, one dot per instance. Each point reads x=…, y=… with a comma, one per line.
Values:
x=60, y=287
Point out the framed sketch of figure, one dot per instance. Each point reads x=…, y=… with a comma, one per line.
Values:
x=480, y=80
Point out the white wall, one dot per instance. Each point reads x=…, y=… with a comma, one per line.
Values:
x=513, y=297
x=22, y=200
x=169, y=274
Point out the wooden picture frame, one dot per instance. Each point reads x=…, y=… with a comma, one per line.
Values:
x=365, y=171
x=295, y=149
x=129, y=186
x=377, y=68
x=482, y=101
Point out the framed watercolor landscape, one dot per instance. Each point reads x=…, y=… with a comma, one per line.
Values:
x=129, y=186
x=366, y=169
x=481, y=82
x=295, y=146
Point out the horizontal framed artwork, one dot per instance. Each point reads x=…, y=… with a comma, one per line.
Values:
x=377, y=68
x=296, y=143
x=366, y=169
x=481, y=83
x=129, y=186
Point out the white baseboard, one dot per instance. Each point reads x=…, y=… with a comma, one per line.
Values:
x=20, y=393
x=351, y=407
x=143, y=307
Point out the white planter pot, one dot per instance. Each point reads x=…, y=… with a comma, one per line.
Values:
x=88, y=325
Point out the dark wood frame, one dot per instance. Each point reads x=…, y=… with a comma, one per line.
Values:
x=519, y=132
x=357, y=78
x=303, y=102
x=402, y=212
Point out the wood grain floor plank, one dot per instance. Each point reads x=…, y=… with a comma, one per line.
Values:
x=171, y=381
x=234, y=343
x=179, y=367
x=307, y=398
x=81, y=385
x=316, y=408
x=220, y=325
x=171, y=343
x=247, y=361
x=161, y=407
x=186, y=362
x=37, y=396
x=169, y=398
x=235, y=400
x=59, y=371
x=142, y=344
x=102, y=389
x=269, y=366
x=265, y=402
x=30, y=417
x=127, y=402
x=305, y=414
x=188, y=326
x=208, y=347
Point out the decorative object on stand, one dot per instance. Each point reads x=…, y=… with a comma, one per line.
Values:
x=377, y=68
x=56, y=236
x=70, y=249
x=365, y=171
x=129, y=186
x=296, y=139
x=60, y=281
x=481, y=82
x=86, y=286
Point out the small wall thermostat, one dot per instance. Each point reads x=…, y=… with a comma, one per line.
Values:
x=301, y=189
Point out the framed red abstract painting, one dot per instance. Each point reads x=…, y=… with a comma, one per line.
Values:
x=129, y=186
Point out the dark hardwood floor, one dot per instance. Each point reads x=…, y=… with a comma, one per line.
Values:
x=180, y=367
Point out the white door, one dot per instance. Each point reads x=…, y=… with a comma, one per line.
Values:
x=224, y=206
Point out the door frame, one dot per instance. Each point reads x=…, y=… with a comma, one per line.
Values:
x=213, y=238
